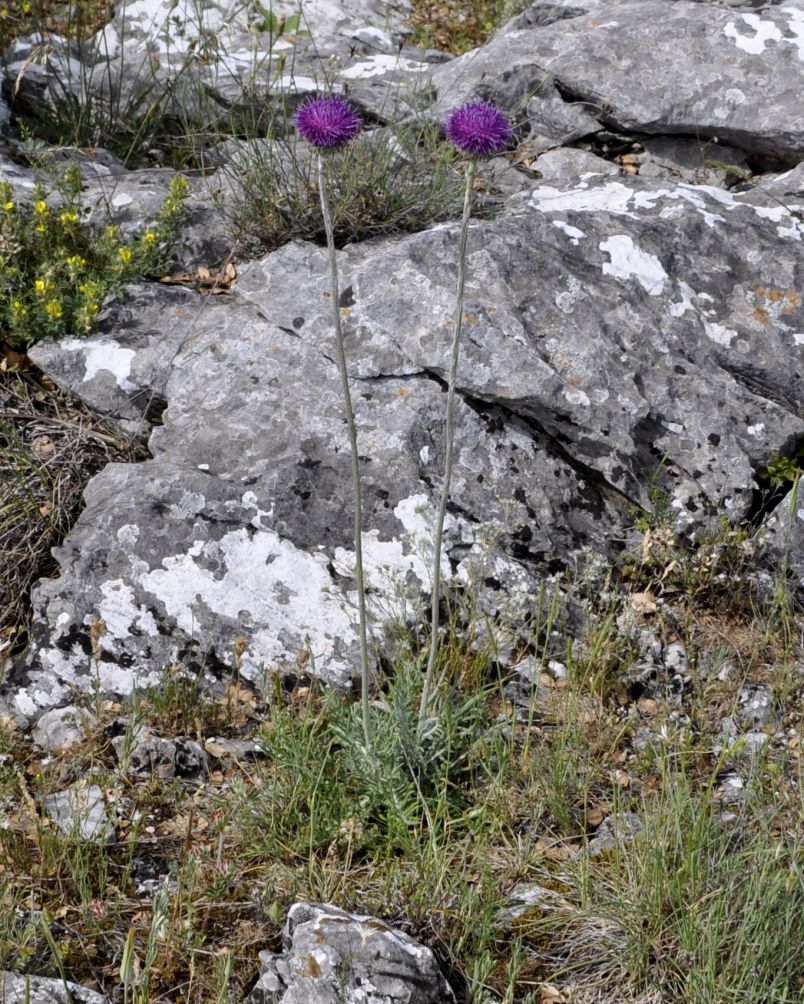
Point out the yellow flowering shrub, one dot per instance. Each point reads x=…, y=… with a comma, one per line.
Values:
x=56, y=273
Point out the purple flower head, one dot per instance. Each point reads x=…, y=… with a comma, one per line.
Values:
x=478, y=129
x=327, y=122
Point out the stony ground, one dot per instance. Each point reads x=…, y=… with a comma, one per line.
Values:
x=617, y=818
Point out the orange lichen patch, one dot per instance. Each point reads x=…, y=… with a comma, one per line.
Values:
x=313, y=967
x=785, y=301
x=403, y=392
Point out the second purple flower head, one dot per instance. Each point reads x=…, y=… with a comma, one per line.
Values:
x=478, y=128
x=327, y=122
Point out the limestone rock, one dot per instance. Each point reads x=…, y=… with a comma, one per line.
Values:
x=617, y=330
x=334, y=957
x=166, y=759
x=615, y=831
x=608, y=62
x=60, y=729
x=80, y=811
x=16, y=988
x=755, y=705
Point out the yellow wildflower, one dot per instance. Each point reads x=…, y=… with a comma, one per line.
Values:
x=40, y=206
x=150, y=236
x=68, y=218
x=53, y=308
x=40, y=285
x=8, y=206
x=125, y=254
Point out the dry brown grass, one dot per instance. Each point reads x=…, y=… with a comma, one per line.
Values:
x=50, y=446
x=77, y=20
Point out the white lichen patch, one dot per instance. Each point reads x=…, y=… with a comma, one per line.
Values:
x=575, y=396
x=685, y=303
x=264, y=578
x=294, y=83
x=249, y=501
x=54, y=684
x=756, y=32
x=613, y=197
x=720, y=334
x=628, y=261
x=759, y=33
x=103, y=355
x=575, y=235
x=389, y=564
x=734, y=96
x=189, y=504
x=120, y=614
x=379, y=65
x=128, y=534
x=795, y=25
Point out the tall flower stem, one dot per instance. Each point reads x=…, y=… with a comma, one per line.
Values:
x=449, y=436
x=352, y=430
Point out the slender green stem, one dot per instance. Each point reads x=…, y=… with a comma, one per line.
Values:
x=350, y=423
x=449, y=435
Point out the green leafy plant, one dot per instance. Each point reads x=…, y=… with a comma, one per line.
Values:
x=460, y=25
x=784, y=471
x=55, y=273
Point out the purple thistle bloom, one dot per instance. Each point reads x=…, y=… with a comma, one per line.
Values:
x=478, y=129
x=327, y=122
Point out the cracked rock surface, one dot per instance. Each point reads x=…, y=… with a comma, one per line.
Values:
x=608, y=324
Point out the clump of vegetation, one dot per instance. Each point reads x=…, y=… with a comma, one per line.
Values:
x=785, y=471
x=457, y=26
x=699, y=898
x=55, y=273
x=392, y=182
x=75, y=21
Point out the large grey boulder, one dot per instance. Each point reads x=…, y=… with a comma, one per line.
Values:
x=616, y=331
x=645, y=66
x=334, y=957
